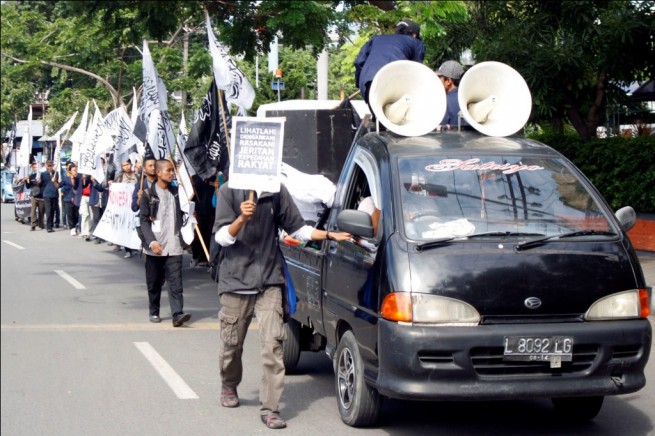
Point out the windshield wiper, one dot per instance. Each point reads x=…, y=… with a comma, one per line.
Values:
x=441, y=241
x=434, y=243
x=504, y=234
x=536, y=242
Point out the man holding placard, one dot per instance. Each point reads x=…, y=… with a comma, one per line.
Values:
x=251, y=209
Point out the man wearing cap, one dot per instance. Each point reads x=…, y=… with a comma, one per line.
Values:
x=450, y=73
x=380, y=50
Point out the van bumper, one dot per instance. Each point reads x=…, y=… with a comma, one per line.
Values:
x=466, y=363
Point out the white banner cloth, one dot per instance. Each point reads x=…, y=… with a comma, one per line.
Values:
x=118, y=222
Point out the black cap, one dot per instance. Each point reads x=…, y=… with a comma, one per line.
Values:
x=408, y=27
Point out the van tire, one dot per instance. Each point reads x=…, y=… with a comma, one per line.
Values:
x=291, y=346
x=359, y=404
x=578, y=409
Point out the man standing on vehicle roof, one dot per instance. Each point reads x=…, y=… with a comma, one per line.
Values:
x=381, y=50
x=450, y=73
x=251, y=281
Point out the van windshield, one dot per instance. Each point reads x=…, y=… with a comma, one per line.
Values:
x=444, y=197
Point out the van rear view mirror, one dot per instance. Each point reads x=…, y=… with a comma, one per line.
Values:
x=627, y=217
x=355, y=222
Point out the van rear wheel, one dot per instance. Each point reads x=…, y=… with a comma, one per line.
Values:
x=579, y=409
x=291, y=347
x=359, y=404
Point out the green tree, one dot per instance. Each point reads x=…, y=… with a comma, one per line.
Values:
x=572, y=54
x=91, y=50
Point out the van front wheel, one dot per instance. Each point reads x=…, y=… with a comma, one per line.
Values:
x=359, y=404
x=291, y=346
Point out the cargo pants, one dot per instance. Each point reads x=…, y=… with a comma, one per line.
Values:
x=235, y=316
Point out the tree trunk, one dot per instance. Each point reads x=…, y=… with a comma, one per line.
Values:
x=114, y=94
x=587, y=128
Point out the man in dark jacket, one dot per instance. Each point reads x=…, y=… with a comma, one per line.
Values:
x=50, y=183
x=160, y=216
x=33, y=182
x=381, y=50
x=251, y=282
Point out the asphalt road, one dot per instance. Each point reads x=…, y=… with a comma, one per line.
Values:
x=79, y=357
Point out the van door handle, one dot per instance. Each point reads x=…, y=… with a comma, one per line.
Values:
x=333, y=247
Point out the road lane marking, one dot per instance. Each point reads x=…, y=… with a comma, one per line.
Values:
x=70, y=279
x=13, y=245
x=174, y=381
x=112, y=327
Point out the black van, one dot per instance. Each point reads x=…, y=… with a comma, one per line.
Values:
x=497, y=272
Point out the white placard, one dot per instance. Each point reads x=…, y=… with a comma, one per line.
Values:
x=256, y=154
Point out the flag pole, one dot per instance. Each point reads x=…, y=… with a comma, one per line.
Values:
x=227, y=137
x=177, y=173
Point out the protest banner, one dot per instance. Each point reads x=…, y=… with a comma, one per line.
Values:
x=256, y=155
x=118, y=222
x=22, y=201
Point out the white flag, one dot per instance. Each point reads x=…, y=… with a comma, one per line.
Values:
x=25, y=151
x=108, y=129
x=63, y=131
x=182, y=133
x=99, y=171
x=67, y=126
x=229, y=78
x=182, y=137
x=78, y=136
x=86, y=164
x=135, y=107
x=152, y=124
x=123, y=146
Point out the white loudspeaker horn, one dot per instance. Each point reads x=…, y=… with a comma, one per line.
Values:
x=408, y=98
x=494, y=99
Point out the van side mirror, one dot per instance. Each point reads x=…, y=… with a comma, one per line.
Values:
x=355, y=222
x=627, y=217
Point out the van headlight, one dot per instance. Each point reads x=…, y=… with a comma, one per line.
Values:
x=428, y=309
x=622, y=305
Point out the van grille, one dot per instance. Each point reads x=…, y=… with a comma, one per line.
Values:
x=626, y=352
x=435, y=357
x=489, y=362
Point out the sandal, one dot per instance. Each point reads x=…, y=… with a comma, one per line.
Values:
x=229, y=397
x=273, y=420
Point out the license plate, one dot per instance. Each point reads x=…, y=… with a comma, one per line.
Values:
x=538, y=349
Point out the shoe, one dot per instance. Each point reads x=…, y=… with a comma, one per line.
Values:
x=110, y=243
x=127, y=255
x=73, y=232
x=181, y=319
x=56, y=226
x=32, y=229
x=87, y=239
x=273, y=420
x=155, y=318
x=50, y=230
x=229, y=397
x=98, y=241
x=116, y=248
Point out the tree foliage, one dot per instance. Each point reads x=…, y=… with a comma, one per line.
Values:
x=573, y=54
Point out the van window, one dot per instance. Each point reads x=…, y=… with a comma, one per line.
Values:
x=458, y=196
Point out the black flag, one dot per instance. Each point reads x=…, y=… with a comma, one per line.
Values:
x=206, y=147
